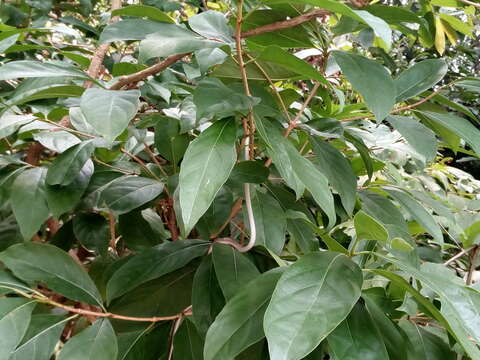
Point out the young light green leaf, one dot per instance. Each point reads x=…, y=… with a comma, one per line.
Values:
x=153, y=263
x=367, y=228
x=47, y=264
x=461, y=127
x=338, y=171
x=41, y=338
x=312, y=297
x=97, y=342
x=370, y=79
x=420, y=77
x=129, y=192
x=401, y=244
x=15, y=316
x=67, y=166
x=420, y=137
x=29, y=201
x=357, y=337
x=233, y=269
x=108, y=111
x=240, y=323
x=206, y=166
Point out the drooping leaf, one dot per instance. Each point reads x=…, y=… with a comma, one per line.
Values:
x=420, y=77
x=357, y=337
x=206, y=166
x=371, y=80
x=312, y=297
x=47, y=264
x=234, y=270
x=66, y=167
x=240, y=323
x=97, y=342
x=109, y=111
x=29, y=201
x=15, y=314
x=129, y=192
x=153, y=263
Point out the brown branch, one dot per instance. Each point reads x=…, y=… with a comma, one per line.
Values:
x=285, y=24
x=152, y=70
x=472, y=267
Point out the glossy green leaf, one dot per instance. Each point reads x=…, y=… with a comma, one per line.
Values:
x=168, y=140
x=93, y=232
x=97, y=342
x=28, y=189
x=153, y=263
x=34, y=69
x=370, y=79
x=188, y=344
x=9, y=123
x=240, y=323
x=207, y=296
x=357, y=337
x=459, y=126
x=338, y=171
x=249, y=172
x=149, y=12
x=58, y=141
x=129, y=192
x=420, y=77
x=367, y=228
x=47, y=264
x=41, y=338
x=68, y=165
x=206, y=166
x=419, y=137
x=312, y=297
x=212, y=25
x=15, y=316
x=108, y=111
x=234, y=270
x=129, y=29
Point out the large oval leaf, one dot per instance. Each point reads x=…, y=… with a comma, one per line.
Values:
x=206, y=166
x=97, y=342
x=240, y=323
x=153, y=263
x=47, y=264
x=311, y=299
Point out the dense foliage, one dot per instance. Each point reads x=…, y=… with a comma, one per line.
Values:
x=249, y=179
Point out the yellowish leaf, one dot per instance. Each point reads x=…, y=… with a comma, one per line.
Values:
x=439, y=36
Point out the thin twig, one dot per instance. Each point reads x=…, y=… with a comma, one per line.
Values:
x=470, y=3
x=456, y=257
x=141, y=163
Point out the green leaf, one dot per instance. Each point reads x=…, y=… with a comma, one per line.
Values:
x=153, y=263
x=62, y=199
x=97, y=342
x=10, y=123
x=169, y=39
x=249, y=172
x=93, y=232
x=57, y=141
x=419, y=137
x=233, y=269
x=34, y=69
x=15, y=316
x=458, y=24
x=240, y=323
x=367, y=228
x=212, y=97
x=129, y=29
x=168, y=140
x=5, y=43
x=462, y=127
x=418, y=212
x=143, y=11
x=277, y=55
x=370, y=79
x=129, y=192
x=212, y=25
x=401, y=244
x=187, y=345
x=312, y=297
x=108, y=111
x=29, y=201
x=338, y=171
x=146, y=341
x=270, y=222
x=41, y=338
x=206, y=166
x=420, y=77
x=207, y=296
x=47, y=264
x=357, y=337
